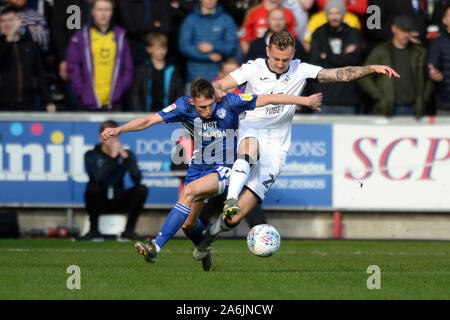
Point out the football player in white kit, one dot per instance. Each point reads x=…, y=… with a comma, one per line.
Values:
x=265, y=133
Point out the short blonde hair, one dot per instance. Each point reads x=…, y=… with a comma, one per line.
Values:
x=282, y=40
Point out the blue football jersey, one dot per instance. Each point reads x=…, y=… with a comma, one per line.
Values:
x=215, y=139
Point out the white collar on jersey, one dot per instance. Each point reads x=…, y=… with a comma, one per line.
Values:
x=277, y=74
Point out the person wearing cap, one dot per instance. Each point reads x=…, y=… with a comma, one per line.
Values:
x=439, y=65
x=336, y=45
x=409, y=94
x=379, y=33
x=318, y=19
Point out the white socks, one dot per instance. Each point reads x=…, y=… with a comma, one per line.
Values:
x=239, y=176
x=219, y=226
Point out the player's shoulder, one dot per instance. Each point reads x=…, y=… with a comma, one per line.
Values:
x=302, y=65
x=231, y=96
x=180, y=105
x=296, y=64
x=300, y=69
x=255, y=65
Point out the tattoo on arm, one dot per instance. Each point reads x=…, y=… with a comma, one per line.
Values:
x=344, y=74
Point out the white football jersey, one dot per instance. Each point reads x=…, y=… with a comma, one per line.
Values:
x=261, y=80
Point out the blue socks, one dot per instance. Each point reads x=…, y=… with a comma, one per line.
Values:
x=195, y=234
x=177, y=216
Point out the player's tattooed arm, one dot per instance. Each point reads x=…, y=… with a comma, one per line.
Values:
x=352, y=73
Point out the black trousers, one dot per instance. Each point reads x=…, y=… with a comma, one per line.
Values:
x=129, y=200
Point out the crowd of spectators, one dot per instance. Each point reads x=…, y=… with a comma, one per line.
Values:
x=140, y=55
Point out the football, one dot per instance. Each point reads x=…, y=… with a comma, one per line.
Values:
x=263, y=240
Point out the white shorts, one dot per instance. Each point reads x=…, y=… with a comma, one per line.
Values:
x=271, y=162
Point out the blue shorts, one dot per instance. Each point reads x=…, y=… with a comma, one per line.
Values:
x=195, y=172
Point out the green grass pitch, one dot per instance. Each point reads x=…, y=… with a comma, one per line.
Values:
x=302, y=269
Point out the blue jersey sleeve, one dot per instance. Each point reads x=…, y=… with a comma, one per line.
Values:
x=174, y=112
x=241, y=102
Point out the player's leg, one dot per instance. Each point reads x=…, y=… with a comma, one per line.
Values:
x=203, y=187
x=262, y=177
x=248, y=153
x=193, y=228
x=247, y=201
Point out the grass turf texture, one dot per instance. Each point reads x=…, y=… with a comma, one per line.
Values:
x=36, y=269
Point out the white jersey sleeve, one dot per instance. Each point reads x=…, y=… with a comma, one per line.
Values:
x=245, y=72
x=309, y=70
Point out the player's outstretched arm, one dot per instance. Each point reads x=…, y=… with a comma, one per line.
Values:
x=223, y=85
x=133, y=125
x=346, y=74
x=314, y=101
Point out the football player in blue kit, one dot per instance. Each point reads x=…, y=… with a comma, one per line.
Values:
x=213, y=126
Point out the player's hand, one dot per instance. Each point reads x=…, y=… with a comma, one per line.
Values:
x=384, y=70
x=315, y=101
x=110, y=132
x=219, y=94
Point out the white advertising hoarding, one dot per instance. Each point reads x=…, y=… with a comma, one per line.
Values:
x=391, y=167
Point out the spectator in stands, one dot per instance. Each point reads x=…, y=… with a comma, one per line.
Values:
x=409, y=94
x=227, y=66
x=207, y=36
x=99, y=62
x=238, y=8
x=32, y=21
x=157, y=83
x=255, y=24
x=358, y=7
x=437, y=9
x=415, y=9
x=139, y=18
x=336, y=45
x=439, y=65
x=61, y=35
x=300, y=9
x=43, y=7
x=318, y=19
x=21, y=67
x=276, y=21
x=180, y=10
x=106, y=166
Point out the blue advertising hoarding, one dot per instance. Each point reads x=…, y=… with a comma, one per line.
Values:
x=306, y=180
x=42, y=162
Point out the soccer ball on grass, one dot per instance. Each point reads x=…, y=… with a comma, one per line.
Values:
x=263, y=240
